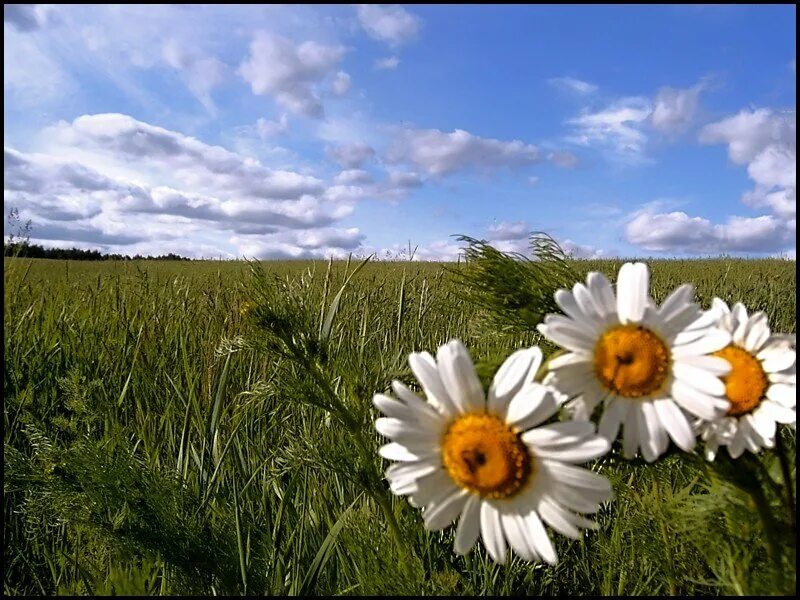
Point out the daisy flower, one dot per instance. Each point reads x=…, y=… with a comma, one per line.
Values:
x=648, y=364
x=761, y=386
x=489, y=462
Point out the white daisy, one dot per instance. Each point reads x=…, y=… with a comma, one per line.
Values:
x=649, y=364
x=761, y=386
x=486, y=460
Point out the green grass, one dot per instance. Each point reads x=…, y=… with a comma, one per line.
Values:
x=158, y=442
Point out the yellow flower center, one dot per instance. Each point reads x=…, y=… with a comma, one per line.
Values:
x=631, y=361
x=485, y=456
x=746, y=384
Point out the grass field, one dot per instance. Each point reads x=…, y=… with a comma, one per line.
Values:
x=156, y=443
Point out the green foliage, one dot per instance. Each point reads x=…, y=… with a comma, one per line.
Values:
x=516, y=292
x=182, y=428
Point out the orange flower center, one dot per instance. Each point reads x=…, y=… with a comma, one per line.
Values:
x=485, y=456
x=746, y=384
x=631, y=361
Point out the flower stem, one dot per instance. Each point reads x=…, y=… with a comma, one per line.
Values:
x=780, y=449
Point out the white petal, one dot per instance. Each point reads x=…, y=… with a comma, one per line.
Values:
x=602, y=294
x=583, y=297
x=391, y=407
x=630, y=432
x=459, y=377
x=412, y=470
x=432, y=487
x=567, y=302
x=676, y=424
x=554, y=516
x=696, y=402
x=510, y=377
x=578, y=477
x=492, y=533
x=614, y=414
x=699, y=378
x=676, y=301
x=784, y=394
x=715, y=339
x=763, y=424
x=397, y=452
x=513, y=528
x=425, y=370
x=439, y=515
x=569, y=359
x=565, y=339
x=758, y=334
x=469, y=525
x=777, y=412
x=531, y=406
x=633, y=287
x=716, y=365
x=569, y=432
x=776, y=362
x=420, y=409
x=541, y=541
x=580, y=452
x=654, y=442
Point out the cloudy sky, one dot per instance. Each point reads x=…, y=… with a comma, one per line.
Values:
x=300, y=131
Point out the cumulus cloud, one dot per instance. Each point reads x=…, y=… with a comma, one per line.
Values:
x=439, y=153
x=267, y=129
x=200, y=73
x=389, y=63
x=185, y=159
x=388, y=23
x=290, y=72
x=178, y=188
x=765, y=141
x=617, y=128
x=341, y=83
x=295, y=245
x=351, y=176
x=677, y=232
x=351, y=155
x=508, y=231
x=674, y=109
x=575, y=86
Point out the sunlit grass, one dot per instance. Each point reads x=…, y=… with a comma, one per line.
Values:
x=155, y=442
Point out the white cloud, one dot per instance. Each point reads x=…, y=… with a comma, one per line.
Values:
x=617, y=128
x=341, y=83
x=440, y=153
x=351, y=155
x=290, y=73
x=563, y=159
x=674, y=109
x=120, y=183
x=388, y=23
x=353, y=176
x=677, y=232
x=267, y=129
x=573, y=85
x=200, y=73
x=404, y=179
x=766, y=142
x=388, y=63
x=509, y=231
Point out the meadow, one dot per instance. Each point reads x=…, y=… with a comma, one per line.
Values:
x=156, y=441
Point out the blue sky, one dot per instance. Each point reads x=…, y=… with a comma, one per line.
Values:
x=309, y=131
